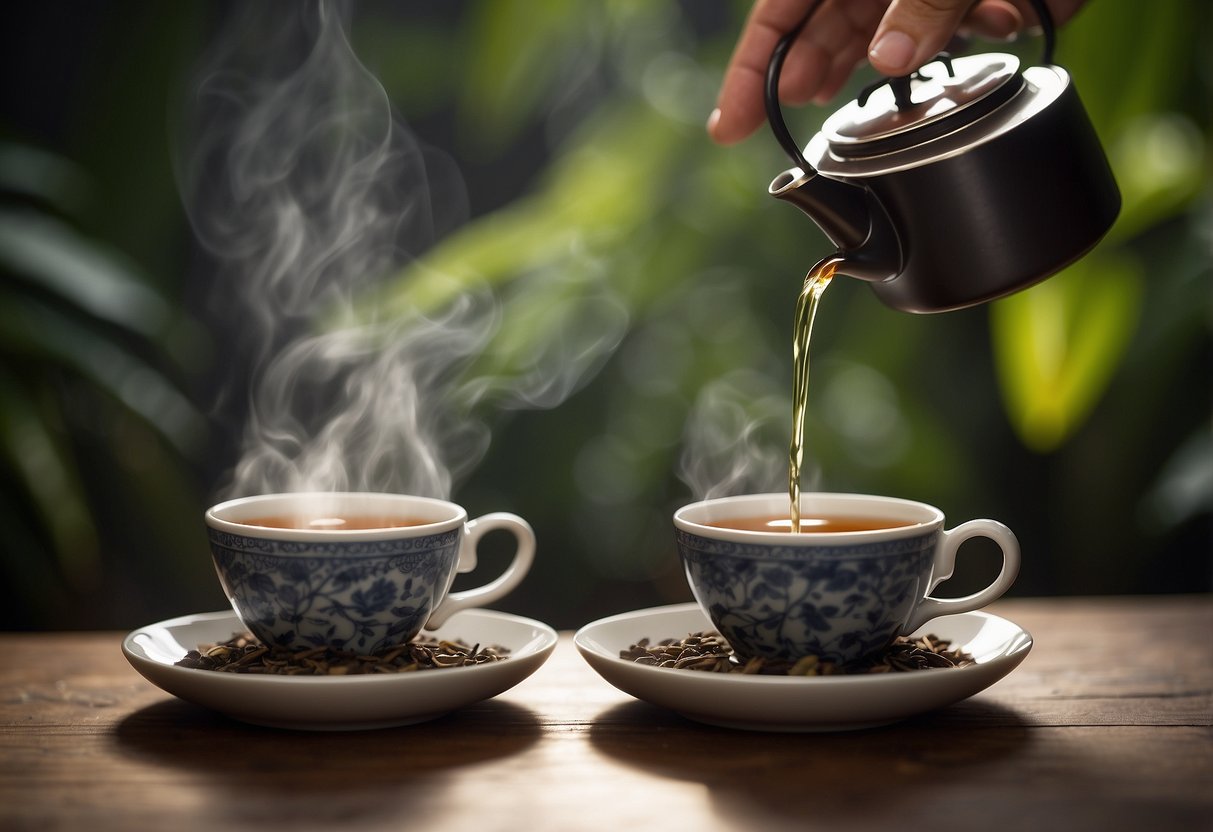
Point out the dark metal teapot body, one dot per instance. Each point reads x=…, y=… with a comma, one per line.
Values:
x=976, y=184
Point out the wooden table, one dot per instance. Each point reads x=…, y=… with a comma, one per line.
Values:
x=1105, y=726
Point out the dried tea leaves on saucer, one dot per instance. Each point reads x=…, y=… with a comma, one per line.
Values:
x=708, y=651
x=242, y=653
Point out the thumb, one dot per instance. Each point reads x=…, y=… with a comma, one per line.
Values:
x=912, y=31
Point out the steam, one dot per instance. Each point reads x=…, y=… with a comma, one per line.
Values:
x=736, y=439
x=300, y=181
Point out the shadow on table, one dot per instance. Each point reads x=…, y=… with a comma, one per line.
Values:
x=319, y=776
x=794, y=778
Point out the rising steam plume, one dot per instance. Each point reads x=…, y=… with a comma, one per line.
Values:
x=736, y=439
x=308, y=190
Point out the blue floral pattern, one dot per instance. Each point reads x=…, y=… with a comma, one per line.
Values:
x=360, y=596
x=836, y=602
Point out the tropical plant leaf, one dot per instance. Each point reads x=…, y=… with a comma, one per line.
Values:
x=1057, y=345
x=595, y=195
x=48, y=477
x=43, y=176
x=1159, y=162
x=84, y=273
x=507, y=77
x=1125, y=69
x=33, y=331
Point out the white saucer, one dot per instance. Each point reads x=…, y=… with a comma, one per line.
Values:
x=339, y=703
x=775, y=703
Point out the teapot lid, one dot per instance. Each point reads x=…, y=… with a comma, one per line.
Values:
x=904, y=123
x=893, y=125
x=895, y=113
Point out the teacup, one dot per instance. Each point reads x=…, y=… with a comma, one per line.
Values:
x=353, y=571
x=838, y=595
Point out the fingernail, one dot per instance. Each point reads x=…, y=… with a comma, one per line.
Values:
x=894, y=51
x=713, y=118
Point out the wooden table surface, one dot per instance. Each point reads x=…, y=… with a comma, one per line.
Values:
x=1106, y=725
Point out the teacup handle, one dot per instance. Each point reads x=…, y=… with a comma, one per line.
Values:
x=945, y=562
x=524, y=554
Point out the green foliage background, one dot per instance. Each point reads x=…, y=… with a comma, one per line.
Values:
x=1077, y=412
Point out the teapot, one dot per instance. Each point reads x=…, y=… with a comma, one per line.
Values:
x=963, y=182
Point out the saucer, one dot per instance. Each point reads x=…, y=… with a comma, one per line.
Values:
x=346, y=702
x=781, y=703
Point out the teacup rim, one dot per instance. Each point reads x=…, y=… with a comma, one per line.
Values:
x=214, y=521
x=789, y=538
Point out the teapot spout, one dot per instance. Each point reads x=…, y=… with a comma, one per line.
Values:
x=839, y=209
x=851, y=216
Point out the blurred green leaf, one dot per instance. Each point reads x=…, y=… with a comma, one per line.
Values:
x=1184, y=487
x=49, y=479
x=82, y=272
x=1057, y=344
x=517, y=53
x=31, y=331
x=1125, y=66
x=1159, y=162
x=594, y=196
x=43, y=176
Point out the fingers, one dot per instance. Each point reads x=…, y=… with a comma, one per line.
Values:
x=740, y=105
x=898, y=37
x=1006, y=18
x=816, y=67
x=994, y=19
x=846, y=42
x=915, y=30
x=912, y=32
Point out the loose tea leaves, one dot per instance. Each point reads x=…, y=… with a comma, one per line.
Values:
x=708, y=651
x=244, y=654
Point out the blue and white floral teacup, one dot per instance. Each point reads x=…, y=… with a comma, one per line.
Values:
x=838, y=595
x=354, y=571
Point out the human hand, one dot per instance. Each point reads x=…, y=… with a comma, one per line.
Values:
x=896, y=37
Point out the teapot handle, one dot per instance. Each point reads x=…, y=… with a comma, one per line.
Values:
x=1047, y=28
x=775, y=115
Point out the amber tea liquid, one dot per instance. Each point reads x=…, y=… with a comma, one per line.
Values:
x=780, y=523
x=345, y=524
x=815, y=284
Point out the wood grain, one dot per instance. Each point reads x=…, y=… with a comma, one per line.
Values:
x=1106, y=725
